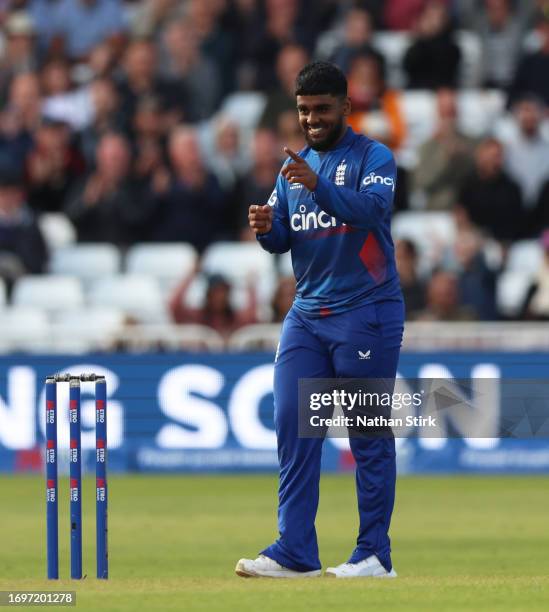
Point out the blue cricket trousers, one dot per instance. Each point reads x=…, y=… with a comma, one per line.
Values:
x=327, y=347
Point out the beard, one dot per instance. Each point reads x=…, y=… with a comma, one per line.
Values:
x=326, y=143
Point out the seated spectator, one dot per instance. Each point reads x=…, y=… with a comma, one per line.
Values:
x=19, y=53
x=148, y=140
x=433, y=59
x=79, y=25
x=223, y=151
x=501, y=33
x=256, y=186
x=289, y=61
x=289, y=131
x=216, y=42
x=489, y=199
x=216, y=311
x=531, y=74
x=184, y=62
x=536, y=305
x=357, y=39
x=476, y=281
x=18, y=120
x=140, y=79
x=445, y=159
x=107, y=117
x=191, y=207
x=282, y=26
x=527, y=156
x=53, y=165
x=413, y=288
x=109, y=205
x=55, y=78
x=22, y=246
x=375, y=109
x=443, y=300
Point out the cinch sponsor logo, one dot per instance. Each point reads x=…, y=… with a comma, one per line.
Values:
x=376, y=179
x=303, y=220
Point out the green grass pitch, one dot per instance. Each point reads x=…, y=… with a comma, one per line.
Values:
x=459, y=543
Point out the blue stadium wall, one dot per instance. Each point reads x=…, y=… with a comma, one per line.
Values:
x=193, y=412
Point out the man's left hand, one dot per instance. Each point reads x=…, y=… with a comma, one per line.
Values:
x=299, y=171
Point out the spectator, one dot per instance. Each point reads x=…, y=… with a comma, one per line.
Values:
x=445, y=159
x=149, y=17
x=149, y=137
x=55, y=78
x=19, y=54
x=18, y=120
x=443, y=300
x=532, y=71
x=283, y=298
x=140, y=79
x=476, y=281
x=80, y=25
x=53, y=165
x=413, y=288
x=433, y=59
x=289, y=131
x=225, y=156
x=108, y=205
x=281, y=99
x=357, y=39
x=183, y=61
x=215, y=42
x=191, y=205
x=375, y=110
x=282, y=27
x=489, y=198
x=536, y=305
x=527, y=155
x=107, y=117
x=256, y=186
x=501, y=33
x=22, y=246
x=217, y=311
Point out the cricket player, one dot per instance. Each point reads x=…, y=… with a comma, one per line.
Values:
x=331, y=208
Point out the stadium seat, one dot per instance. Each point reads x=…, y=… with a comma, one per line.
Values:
x=285, y=265
x=3, y=294
x=471, y=55
x=87, y=329
x=50, y=292
x=57, y=230
x=511, y=289
x=24, y=329
x=168, y=263
x=244, y=107
x=393, y=46
x=255, y=337
x=137, y=295
x=240, y=263
x=86, y=261
x=525, y=256
x=479, y=109
x=431, y=231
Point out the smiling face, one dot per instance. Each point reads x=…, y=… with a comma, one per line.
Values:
x=323, y=119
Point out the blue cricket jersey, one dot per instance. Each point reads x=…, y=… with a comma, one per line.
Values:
x=340, y=234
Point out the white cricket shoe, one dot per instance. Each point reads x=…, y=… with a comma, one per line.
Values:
x=268, y=568
x=367, y=567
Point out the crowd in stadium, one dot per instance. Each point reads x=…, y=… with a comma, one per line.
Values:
x=163, y=120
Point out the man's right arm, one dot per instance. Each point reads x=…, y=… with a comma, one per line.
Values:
x=275, y=237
